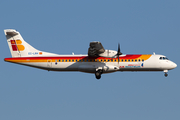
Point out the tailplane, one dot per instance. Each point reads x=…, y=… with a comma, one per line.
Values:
x=20, y=48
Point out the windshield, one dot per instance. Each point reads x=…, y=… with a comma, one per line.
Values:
x=163, y=58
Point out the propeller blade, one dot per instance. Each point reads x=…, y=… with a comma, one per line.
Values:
x=118, y=52
x=118, y=48
x=118, y=59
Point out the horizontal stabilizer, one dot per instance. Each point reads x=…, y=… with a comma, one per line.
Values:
x=11, y=32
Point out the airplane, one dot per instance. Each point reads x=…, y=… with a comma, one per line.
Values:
x=98, y=60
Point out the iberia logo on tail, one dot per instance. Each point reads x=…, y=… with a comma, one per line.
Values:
x=17, y=45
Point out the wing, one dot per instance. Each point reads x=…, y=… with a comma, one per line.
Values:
x=95, y=48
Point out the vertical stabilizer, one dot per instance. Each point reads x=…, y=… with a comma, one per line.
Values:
x=20, y=48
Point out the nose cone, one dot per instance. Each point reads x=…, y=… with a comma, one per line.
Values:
x=174, y=65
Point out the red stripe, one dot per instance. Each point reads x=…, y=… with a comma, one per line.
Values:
x=130, y=57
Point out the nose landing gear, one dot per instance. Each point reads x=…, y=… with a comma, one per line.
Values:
x=165, y=73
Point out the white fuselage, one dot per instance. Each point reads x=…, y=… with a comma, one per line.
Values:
x=85, y=64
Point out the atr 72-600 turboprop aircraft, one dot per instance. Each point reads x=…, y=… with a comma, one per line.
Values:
x=98, y=61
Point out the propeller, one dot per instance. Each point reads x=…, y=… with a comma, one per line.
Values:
x=118, y=52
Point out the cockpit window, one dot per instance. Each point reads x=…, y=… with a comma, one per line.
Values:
x=163, y=58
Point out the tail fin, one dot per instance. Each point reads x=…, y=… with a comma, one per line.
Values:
x=20, y=48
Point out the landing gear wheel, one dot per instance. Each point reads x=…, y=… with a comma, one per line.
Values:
x=165, y=74
x=98, y=74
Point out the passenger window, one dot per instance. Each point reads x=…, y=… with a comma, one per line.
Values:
x=125, y=60
x=129, y=60
x=135, y=60
x=115, y=60
x=121, y=60
x=139, y=60
x=59, y=60
x=111, y=60
x=143, y=60
x=132, y=60
x=72, y=60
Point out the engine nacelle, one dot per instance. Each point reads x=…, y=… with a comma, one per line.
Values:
x=108, y=53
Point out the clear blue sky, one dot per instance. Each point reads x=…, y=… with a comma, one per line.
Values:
x=63, y=27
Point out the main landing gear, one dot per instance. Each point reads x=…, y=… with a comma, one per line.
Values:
x=98, y=74
x=165, y=73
